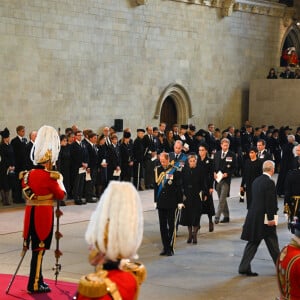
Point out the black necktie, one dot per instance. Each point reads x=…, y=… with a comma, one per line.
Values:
x=223, y=155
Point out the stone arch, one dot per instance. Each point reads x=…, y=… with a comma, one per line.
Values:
x=291, y=39
x=181, y=99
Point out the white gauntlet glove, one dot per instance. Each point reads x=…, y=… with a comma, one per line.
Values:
x=180, y=206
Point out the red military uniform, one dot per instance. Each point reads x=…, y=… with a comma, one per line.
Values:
x=126, y=285
x=40, y=188
x=39, y=209
x=112, y=283
x=288, y=271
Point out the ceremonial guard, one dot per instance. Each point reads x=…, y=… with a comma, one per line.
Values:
x=114, y=234
x=168, y=197
x=288, y=266
x=40, y=187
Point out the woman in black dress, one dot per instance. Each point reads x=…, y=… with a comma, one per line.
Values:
x=126, y=157
x=205, y=165
x=252, y=169
x=7, y=166
x=101, y=181
x=193, y=185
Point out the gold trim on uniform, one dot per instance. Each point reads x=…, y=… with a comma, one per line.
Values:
x=97, y=284
x=37, y=270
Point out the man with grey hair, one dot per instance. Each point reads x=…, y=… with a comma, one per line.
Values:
x=260, y=223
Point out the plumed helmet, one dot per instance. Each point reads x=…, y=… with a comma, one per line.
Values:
x=46, y=146
x=116, y=226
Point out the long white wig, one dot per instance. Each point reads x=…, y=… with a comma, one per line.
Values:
x=116, y=226
x=46, y=146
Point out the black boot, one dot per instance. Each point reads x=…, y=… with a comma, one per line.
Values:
x=195, y=232
x=190, y=238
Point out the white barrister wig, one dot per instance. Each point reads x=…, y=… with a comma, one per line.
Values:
x=116, y=226
x=46, y=146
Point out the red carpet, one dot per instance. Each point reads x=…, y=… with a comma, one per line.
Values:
x=62, y=291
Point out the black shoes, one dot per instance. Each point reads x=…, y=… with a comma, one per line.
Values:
x=225, y=220
x=211, y=227
x=42, y=288
x=92, y=200
x=249, y=273
x=217, y=220
x=167, y=253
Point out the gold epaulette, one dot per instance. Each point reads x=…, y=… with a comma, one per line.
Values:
x=96, y=285
x=138, y=270
x=22, y=174
x=55, y=175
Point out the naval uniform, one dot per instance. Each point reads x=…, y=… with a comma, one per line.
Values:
x=167, y=195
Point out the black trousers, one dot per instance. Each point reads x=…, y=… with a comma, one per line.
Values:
x=251, y=248
x=78, y=186
x=35, y=275
x=167, y=227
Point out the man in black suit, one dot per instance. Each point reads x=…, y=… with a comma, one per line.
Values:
x=28, y=163
x=79, y=163
x=177, y=156
x=19, y=145
x=113, y=159
x=138, y=163
x=262, y=153
x=210, y=139
x=260, y=223
x=92, y=152
x=168, y=197
x=224, y=161
x=149, y=157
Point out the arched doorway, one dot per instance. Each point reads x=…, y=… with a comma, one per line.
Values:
x=291, y=40
x=174, y=105
x=168, y=113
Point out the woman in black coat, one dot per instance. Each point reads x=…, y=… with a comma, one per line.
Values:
x=252, y=169
x=126, y=157
x=193, y=184
x=7, y=166
x=207, y=169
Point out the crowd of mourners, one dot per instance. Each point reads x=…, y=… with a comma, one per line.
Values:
x=88, y=161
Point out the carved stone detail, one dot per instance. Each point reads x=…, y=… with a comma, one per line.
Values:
x=227, y=8
x=261, y=7
x=141, y=2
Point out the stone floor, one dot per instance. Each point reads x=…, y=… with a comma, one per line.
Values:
x=207, y=270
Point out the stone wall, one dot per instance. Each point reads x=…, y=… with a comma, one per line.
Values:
x=275, y=102
x=90, y=62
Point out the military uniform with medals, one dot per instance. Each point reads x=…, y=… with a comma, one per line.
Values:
x=167, y=195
